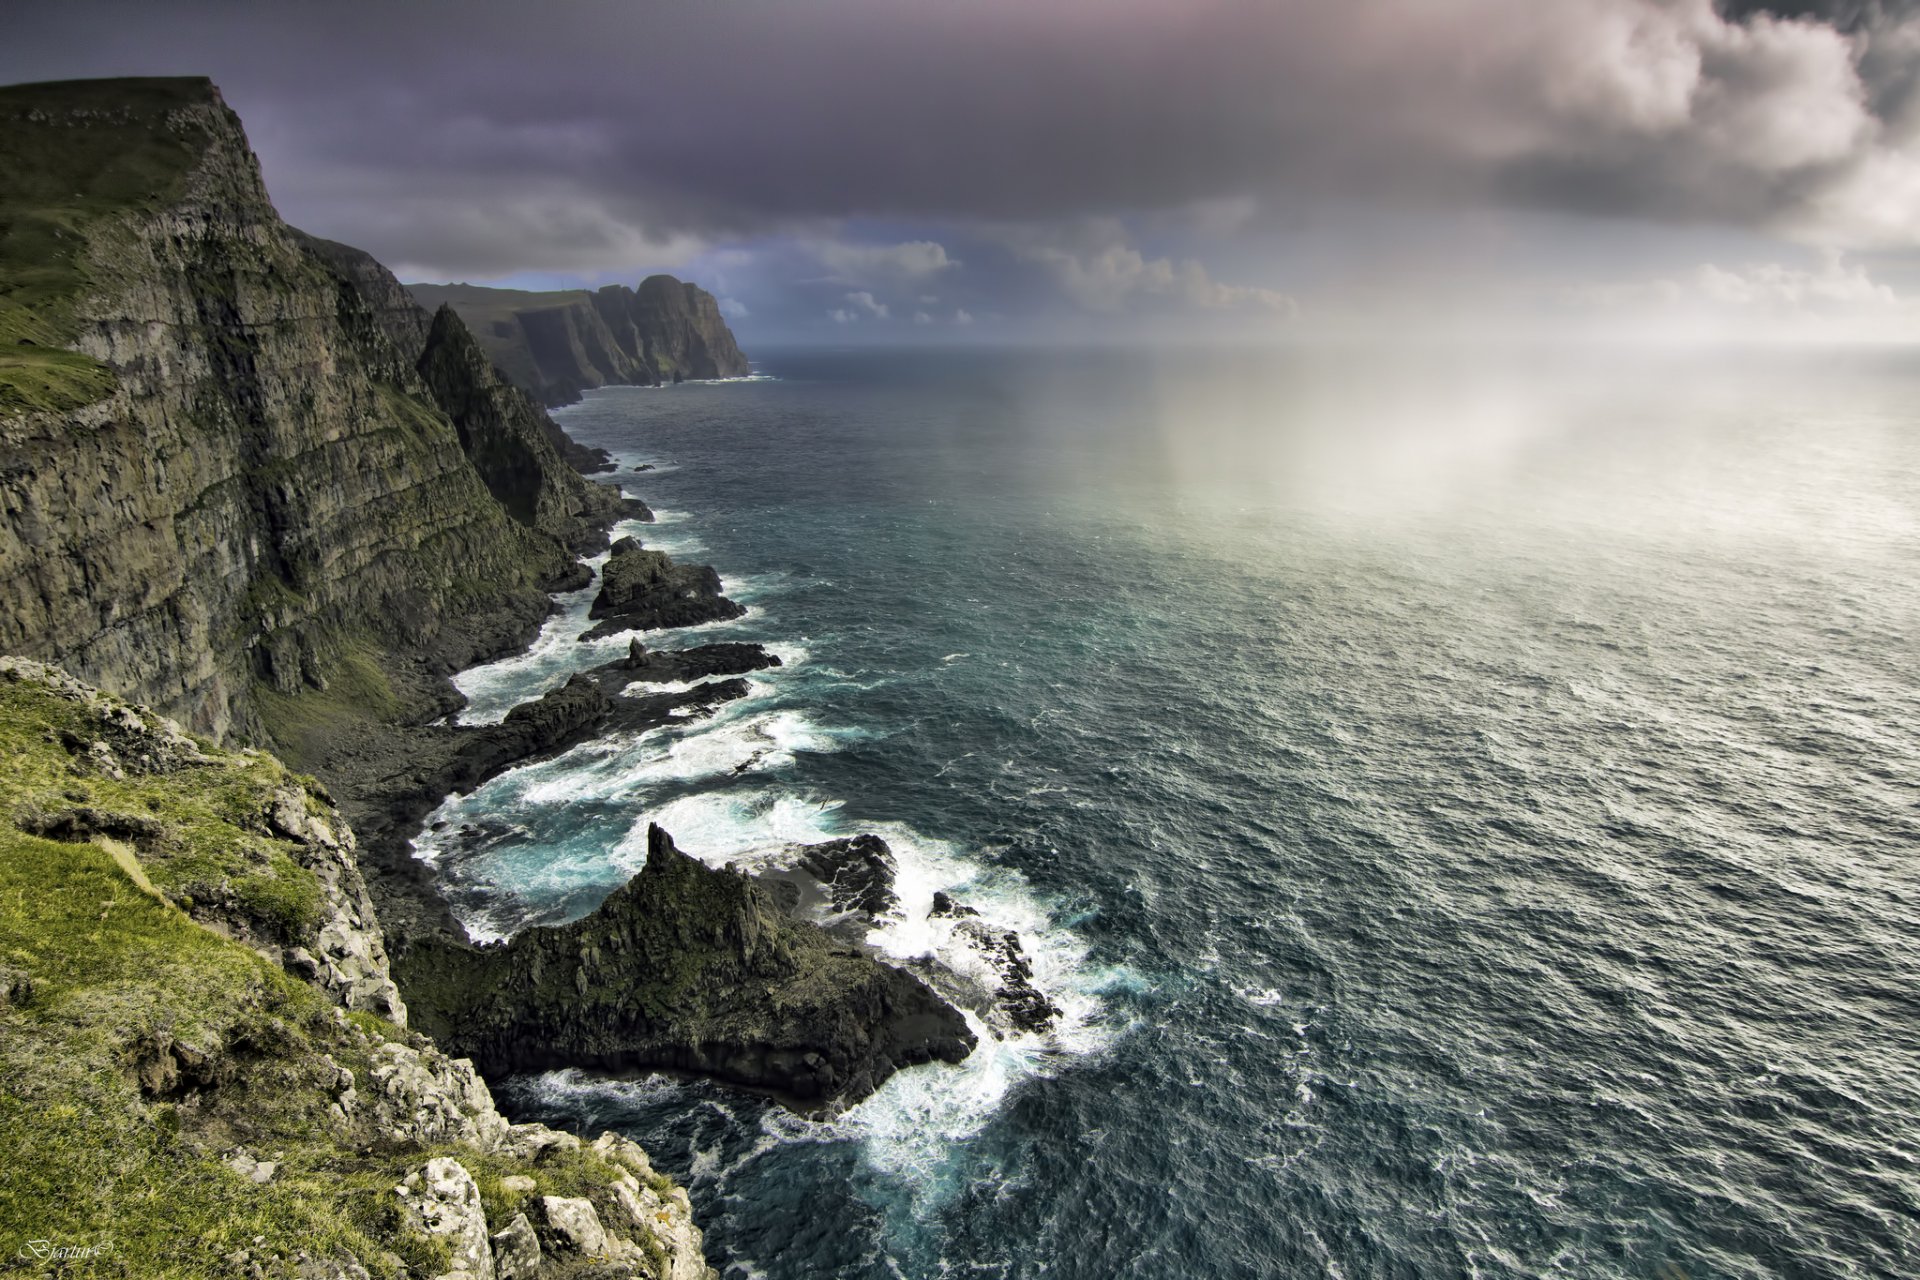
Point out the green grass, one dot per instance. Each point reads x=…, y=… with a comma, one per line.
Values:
x=111, y=966
x=76, y=157
x=114, y=970
x=306, y=723
x=210, y=844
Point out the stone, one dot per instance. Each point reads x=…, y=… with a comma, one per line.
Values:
x=641, y=590
x=574, y=1224
x=516, y=1250
x=247, y=1166
x=441, y=1199
x=427, y=1098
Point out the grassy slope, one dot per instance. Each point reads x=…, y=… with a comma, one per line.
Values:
x=480, y=306
x=59, y=187
x=94, y=969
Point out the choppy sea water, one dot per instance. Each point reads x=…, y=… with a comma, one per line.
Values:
x=1469, y=810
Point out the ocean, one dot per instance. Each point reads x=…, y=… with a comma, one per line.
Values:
x=1466, y=805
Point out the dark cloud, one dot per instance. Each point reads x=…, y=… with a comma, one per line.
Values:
x=476, y=138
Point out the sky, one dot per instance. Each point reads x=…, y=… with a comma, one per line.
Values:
x=994, y=170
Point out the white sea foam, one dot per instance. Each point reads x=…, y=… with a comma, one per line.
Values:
x=642, y=689
x=495, y=688
x=790, y=654
x=912, y=1127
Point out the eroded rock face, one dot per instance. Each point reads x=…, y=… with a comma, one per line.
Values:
x=344, y=954
x=1001, y=969
x=856, y=873
x=574, y=1225
x=428, y=1099
x=685, y=968
x=512, y=443
x=656, y=666
x=516, y=1250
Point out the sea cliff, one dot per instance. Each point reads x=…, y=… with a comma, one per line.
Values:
x=205, y=1066
x=252, y=490
x=555, y=345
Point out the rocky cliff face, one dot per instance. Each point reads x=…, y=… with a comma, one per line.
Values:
x=555, y=345
x=251, y=495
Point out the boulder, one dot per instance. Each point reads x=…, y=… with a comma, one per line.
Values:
x=574, y=1224
x=516, y=1250
x=442, y=1200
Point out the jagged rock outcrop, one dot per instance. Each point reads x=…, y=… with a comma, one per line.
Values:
x=847, y=887
x=1001, y=974
x=685, y=968
x=666, y=666
x=556, y=345
x=442, y=1199
x=249, y=492
x=641, y=590
x=388, y=783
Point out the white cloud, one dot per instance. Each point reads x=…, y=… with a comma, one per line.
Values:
x=1105, y=273
x=1837, y=298
x=921, y=317
x=869, y=304
x=840, y=315
x=864, y=263
x=962, y=316
x=734, y=309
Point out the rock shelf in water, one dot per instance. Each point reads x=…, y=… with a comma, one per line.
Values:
x=684, y=968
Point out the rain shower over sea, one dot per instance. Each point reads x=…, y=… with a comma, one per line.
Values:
x=1467, y=810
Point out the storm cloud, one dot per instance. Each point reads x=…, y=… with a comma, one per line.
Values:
x=481, y=140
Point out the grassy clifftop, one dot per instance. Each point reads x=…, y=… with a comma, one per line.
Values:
x=173, y=1100
x=82, y=165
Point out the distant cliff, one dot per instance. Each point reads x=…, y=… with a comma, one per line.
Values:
x=243, y=476
x=555, y=345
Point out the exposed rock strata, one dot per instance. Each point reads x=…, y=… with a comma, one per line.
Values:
x=270, y=497
x=684, y=968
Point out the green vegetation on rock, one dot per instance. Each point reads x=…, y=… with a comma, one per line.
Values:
x=57, y=184
x=176, y=1104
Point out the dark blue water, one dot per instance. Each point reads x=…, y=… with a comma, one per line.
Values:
x=1470, y=812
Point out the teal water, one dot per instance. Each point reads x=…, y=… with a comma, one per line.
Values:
x=1467, y=810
